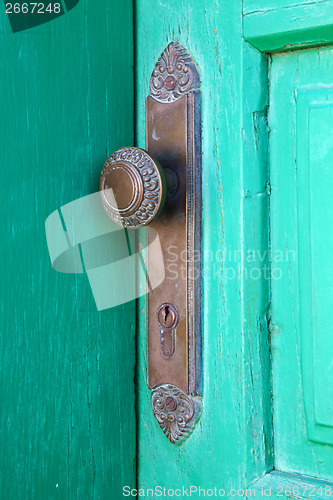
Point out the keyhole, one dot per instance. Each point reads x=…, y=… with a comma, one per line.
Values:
x=166, y=313
x=167, y=316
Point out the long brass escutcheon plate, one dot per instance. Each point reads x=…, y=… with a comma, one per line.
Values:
x=174, y=346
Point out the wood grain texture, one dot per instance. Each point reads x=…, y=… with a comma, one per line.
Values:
x=232, y=443
x=281, y=25
x=301, y=206
x=67, y=370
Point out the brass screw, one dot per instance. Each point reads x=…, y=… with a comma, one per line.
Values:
x=170, y=403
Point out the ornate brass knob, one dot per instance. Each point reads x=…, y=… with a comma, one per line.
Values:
x=132, y=187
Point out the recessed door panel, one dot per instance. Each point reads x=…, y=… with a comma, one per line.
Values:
x=301, y=123
x=314, y=139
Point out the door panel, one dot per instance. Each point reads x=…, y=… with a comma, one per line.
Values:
x=301, y=132
x=69, y=413
x=231, y=444
x=67, y=370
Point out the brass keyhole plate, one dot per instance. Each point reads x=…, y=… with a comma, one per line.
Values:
x=173, y=137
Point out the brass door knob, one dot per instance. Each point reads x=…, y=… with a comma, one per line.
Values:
x=132, y=187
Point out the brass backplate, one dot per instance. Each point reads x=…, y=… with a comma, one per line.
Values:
x=173, y=137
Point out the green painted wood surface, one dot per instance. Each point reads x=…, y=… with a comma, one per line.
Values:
x=232, y=443
x=301, y=129
x=280, y=25
x=250, y=6
x=67, y=370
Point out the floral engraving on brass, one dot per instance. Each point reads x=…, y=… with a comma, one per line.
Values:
x=132, y=187
x=174, y=345
x=173, y=75
x=174, y=411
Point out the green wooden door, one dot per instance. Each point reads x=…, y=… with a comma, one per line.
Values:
x=266, y=398
x=67, y=383
x=301, y=131
x=76, y=417
x=67, y=93
x=231, y=445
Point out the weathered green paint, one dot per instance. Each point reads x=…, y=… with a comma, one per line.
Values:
x=232, y=443
x=250, y=6
x=301, y=155
x=67, y=370
x=279, y=25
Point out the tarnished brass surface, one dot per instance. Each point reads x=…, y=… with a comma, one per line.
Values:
x=132, y=187
x=175, y=74
x=167, y=139
x=175, y=412
x=173, y=138
x=167, y=318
